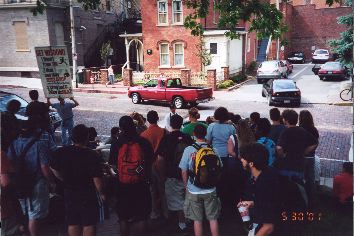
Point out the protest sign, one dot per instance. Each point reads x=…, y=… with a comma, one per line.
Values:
x=54, y=69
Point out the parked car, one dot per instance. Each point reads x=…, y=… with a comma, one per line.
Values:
x=21, y=115
x=320, y=56
x=333, y=70
x=297, y=57
x=171, y=91
x=316, y=68
x=282, y=91
x=271, y=70
x=289, y=66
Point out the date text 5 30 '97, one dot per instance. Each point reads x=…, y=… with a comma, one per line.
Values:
x=301, y=216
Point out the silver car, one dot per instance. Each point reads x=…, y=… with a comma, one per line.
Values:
x=320, y=56
x=271, y=70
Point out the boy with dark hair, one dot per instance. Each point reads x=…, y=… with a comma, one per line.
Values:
x=10, y=125
x=170, y=152
x=154, y=135
x=262, y=131
x=36, y=108
x=168, y=117
x=79, y=169
x=293, y=144
x=254, y=118
x=199, y=201
x=277, y=127
x=265, y=203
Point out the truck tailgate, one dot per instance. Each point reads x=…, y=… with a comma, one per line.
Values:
x=204, y=93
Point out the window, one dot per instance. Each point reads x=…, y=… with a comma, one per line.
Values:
x=59, y=33
x=164, y=55
x=248, y=44
x=179, y=54
x=21, y=36
x=213, y=48
x=151, y=83
x=162, y=14
x=177, y=11
x=174, y=83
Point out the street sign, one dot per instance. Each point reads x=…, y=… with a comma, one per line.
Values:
x=54, y=69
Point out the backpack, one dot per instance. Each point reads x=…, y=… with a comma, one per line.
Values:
x=173, y=171
x=270, y=146
x=207, y=167
x=24, y=179
x=130, y=163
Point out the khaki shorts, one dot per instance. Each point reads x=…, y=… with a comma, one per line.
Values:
x=198, y=205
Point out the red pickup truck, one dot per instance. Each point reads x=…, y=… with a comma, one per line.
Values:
x=170, y=90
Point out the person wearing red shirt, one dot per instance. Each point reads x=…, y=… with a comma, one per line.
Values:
x=343, y=184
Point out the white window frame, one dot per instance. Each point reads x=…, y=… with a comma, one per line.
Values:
x=168, y=55
x=181, y=12
x=158, y=12
x=174, y=54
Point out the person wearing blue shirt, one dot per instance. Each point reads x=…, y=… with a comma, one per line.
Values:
x=65, y=111
x=198, y=201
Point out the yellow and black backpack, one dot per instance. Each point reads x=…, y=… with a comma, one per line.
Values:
x=207, y=167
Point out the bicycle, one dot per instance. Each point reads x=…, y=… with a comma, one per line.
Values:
x=346, y=94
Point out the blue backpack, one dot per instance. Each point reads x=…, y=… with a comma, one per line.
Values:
x=270, y=146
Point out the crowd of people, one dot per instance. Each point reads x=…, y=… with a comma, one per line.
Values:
x=186, y=171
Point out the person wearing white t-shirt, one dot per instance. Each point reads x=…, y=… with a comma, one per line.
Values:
x=168, y=117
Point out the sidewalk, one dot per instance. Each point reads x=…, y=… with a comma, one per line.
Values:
x=35, y=83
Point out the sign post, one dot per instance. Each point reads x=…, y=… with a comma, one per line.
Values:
x=54, y=69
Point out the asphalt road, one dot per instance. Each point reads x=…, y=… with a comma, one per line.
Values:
x=313, y=90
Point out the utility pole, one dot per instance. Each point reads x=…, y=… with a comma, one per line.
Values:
x=278, y=40
x=73, y=43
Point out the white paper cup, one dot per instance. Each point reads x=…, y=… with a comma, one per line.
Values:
x=244, y=213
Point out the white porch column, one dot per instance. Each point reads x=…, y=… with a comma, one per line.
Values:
x=127, y=51
x=225, y=54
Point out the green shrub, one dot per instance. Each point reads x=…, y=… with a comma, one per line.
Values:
x=252, y=66
x=225, y=84
x=139, y=82
x=238, y=78
x=118, y=77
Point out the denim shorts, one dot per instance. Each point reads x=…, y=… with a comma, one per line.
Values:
x=198, y=205
x=37, y=206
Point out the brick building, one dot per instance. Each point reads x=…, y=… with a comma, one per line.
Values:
x=21, y=31
x=311, y=25
x=167, y=46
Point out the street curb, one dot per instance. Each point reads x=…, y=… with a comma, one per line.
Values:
x=240, y=84
x=99, y=91
x=343, y=104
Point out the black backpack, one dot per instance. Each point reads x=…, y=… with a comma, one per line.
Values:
x=207, y=167
x=173, y=171
x=24, y=179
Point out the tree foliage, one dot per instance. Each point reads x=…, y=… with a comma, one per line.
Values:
x=264, y=17
x=344, y=45
x=105, y=51
x=86, y=4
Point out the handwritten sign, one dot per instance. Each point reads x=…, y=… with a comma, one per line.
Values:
x=54, y=69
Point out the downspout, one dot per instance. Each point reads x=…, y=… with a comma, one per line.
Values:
x=268, y=46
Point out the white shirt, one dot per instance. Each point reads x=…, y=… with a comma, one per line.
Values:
x=167, y=120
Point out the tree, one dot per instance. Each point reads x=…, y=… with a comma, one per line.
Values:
x=264, y=17
x=87, y=4
x=105, y=51
x=344, y=45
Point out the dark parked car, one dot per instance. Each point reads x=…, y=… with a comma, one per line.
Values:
x=333, y=70
x=297, y=57
x=289, y=66
x=6, y=97
x=282, y=91
x=316, y=68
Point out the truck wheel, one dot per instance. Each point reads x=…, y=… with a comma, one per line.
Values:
x=270, y=103
x=136, y=98
x=178, y=102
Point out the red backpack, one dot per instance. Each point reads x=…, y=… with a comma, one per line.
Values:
x=130, y=163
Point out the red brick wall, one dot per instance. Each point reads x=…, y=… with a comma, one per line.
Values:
x=152, y=34
x=252, y=54
x=314, y=27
